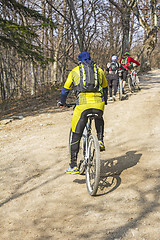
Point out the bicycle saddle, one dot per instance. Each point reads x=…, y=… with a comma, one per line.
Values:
x=92, y=115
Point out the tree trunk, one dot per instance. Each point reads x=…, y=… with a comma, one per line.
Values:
x=148, y=47
x=2, y=82
x=57, y=47
x=125, y=19
x=125, y=10
x=150, y=30
x=33, y=80
x=111, y=35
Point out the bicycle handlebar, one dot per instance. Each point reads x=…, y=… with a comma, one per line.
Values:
x=59, y=104
x=70, y=105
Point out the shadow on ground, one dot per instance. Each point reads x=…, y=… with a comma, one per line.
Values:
x=111, y=170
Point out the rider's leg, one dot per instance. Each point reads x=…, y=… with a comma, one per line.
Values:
x=79, y=121
x=74, y=148
x=124, y=78
x=99, y=124
x=124, y=83
x=115, y=84
x=110, y=86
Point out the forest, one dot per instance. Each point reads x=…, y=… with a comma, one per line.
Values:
x=40, y=40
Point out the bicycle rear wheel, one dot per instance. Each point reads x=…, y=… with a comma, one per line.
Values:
x=93, y=166
x=80, y=158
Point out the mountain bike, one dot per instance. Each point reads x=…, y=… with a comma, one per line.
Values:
x=120, y=84
x=88, y=160
x=133, y=80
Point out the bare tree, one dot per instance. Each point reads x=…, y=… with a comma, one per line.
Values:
x=54, y=69
x=124, y=7
x=111, y=29
x=146, y=14
x=82, y=20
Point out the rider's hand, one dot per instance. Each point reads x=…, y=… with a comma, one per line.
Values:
x=135, y=65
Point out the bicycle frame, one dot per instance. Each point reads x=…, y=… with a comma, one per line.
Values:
x=134, y=78
x=90, y=161
x=86, y=134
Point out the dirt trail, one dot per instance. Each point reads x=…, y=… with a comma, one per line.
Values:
x=38, y=201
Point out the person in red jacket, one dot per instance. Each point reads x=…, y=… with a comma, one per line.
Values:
x=126, y=61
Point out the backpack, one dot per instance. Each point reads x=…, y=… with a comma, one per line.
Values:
x=124, y=60
x=113, y=67
x=89, y=81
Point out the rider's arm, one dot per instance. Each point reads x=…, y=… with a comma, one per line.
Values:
x=102, y=76
x=108, y=66
x=104, y=85
x=64, y=94
x=105, y=94
x=130, y=59
x=65, y=90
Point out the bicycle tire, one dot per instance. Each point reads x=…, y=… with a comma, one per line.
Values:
x=130, y=83
x=93, y=166
x=80, y=158
x=138, y=82
x=120, y=89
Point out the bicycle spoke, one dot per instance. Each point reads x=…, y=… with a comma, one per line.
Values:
x=93, y=168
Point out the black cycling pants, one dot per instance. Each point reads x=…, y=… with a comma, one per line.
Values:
x=112, y=83
x=76, y=137
x=124, y=75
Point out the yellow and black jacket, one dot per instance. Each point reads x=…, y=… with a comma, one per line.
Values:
x=85, y=100
x=73, y=80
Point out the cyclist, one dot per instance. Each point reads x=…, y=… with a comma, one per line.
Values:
x=112, y=69
x=91, y=91
x=126, y=61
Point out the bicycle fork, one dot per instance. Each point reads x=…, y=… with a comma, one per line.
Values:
x=85, y=135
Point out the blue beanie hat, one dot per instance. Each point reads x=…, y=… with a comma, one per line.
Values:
x=84, y=56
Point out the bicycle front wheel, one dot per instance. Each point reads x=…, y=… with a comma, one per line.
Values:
x=93, y=166
x=138, y=82
x=130, y=83
x=120, y=89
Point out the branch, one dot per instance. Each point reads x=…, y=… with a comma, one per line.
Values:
x=72, y=25
x=26, y=11
x=143, y=23
x=132, y=3
x=72, y=7
x=129, y=5
x=58, y=11
x=116, y=5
